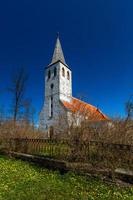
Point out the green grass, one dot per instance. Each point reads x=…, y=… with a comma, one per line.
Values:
x=22, y=181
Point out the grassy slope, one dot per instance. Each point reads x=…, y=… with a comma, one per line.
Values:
x=21, y=181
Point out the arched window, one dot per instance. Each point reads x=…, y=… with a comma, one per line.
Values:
x=63, y=72
x=68, y=75
x=55, y=71
x=49, y=74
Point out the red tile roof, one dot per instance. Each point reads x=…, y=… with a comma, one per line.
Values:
x=78, y=106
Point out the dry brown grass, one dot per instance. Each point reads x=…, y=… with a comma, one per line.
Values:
x=9, y=129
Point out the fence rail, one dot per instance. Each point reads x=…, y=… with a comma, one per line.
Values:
x=92, y=151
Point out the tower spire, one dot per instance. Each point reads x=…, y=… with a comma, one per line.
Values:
x=58, y=34
x=58, y=53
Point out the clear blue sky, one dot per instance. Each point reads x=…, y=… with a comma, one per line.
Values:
x=97, y=39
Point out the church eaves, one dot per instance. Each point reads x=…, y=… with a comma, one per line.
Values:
x=58, y=53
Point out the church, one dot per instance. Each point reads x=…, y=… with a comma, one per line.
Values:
x=61, y=110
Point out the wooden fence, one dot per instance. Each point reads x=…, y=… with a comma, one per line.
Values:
x=92, y=151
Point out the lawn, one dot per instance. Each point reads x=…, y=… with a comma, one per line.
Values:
x=22, y=181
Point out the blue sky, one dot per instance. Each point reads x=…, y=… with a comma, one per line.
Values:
x=97, y=39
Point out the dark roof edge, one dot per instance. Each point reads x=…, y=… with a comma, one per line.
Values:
x=55, y=63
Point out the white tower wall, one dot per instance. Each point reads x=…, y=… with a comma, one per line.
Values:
x=58, y=87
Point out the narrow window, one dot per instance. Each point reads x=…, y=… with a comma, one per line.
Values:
x=49, y=74
x=51, y=107
x=52, y=86
x=68, y=75
x=55, y=72
x=63, y=72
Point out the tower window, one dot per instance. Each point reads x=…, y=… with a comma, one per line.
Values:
x=51, y=107
x=55, y=71
x=52, y=86
x=68, y=75
x=49, y=74
x=63, y=72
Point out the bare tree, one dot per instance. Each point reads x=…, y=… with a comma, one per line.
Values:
x=29, y=111
x=17, y=88
x=129, y=108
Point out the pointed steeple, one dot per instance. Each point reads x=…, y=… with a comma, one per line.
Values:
x=58, y=53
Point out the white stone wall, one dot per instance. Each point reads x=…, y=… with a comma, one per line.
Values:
x=59, y=115
x=62, y=90
x=65, y=85
x=74, y=119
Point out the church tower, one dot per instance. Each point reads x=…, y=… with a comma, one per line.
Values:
x=58, y=87
x=58, y=75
